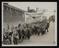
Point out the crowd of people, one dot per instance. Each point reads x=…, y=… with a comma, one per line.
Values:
x=24, y=31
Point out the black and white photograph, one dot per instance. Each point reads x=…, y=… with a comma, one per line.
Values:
x=29, y=23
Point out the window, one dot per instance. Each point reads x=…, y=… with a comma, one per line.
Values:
x=5, y=7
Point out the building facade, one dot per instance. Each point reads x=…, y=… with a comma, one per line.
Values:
x=12, y=15
x=31, y=17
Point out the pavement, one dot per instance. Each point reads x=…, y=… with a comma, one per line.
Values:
x=47, y=39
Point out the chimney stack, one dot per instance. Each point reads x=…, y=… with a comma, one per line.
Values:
x=28, y=8
x=37, y=9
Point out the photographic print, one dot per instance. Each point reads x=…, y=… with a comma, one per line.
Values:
x=29, y=23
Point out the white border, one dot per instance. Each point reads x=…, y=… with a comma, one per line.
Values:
x=2, y=21
x=32, y=44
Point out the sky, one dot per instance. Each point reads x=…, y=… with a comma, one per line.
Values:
x=34, y=5
x=49, y=6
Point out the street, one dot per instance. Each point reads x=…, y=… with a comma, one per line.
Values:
x=47, y=39
x=42, y=40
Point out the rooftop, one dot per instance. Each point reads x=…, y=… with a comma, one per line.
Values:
x=6, y=4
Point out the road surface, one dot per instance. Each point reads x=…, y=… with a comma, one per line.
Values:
x=46, y=39
x=42, y=40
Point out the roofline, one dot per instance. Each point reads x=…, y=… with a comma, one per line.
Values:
x=13, y=7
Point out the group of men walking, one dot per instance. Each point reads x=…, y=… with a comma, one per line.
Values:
x=24, y=31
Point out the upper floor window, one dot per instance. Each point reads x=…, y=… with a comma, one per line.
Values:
x=5, y=7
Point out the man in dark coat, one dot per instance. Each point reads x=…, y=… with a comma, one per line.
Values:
x=47, y=27
x=15, y=36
